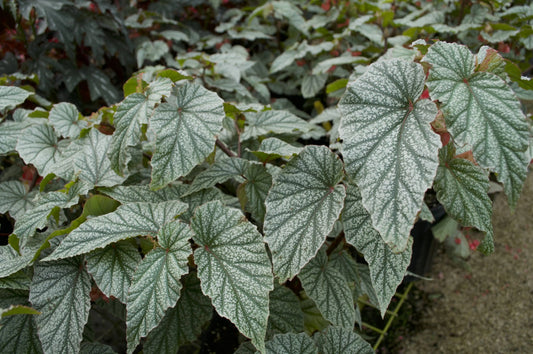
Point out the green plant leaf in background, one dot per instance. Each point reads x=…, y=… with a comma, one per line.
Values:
x=129, y=220
x=301, y=208
x=183, y=323
x=112, y=268
x=156, y=283
x=481, y=110
x=186, y=127
x=233, y=268
x=387, y=269
x=18, y=310
x=18, y=334
x=462, y=188
x=285, y=314
x=60, y=291
x=329, y=290
x=256, y=187
x=389, y=148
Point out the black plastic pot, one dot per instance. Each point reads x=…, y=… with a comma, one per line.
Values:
x=424, y=245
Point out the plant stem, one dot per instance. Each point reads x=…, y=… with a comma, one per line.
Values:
x=224, y=148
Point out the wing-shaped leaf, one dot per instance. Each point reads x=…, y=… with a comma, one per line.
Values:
x=388, y=146
x=36, y=218
x=92, y=162
x=64, y=117
x=156, y=283
x=256, y=187
x=127, y=221
x=112, y=268
x=186, y=127
x=183, y=323
x=462, y=188
x=38, y=145
x=480, y=110
x=285, y=312
x=329, y=290
x=334, y=340
x=11, y=96
x=60, y=291
x=291, y=343
x=387, y=269
x=277, y=122
x=302, y=207
x=132, y=113
x=15, y=199
x=219, y=172
x=233, y=268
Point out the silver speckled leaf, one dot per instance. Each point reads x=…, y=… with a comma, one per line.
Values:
x=388, y=145
x=143, y=193
x=64, y=117
x=18, y=334
x=60, y=291
x=335, y=340
x=112, y=268
x=222, y=170
x=129, y=220
x=156, y=283
x=11, y=96
x=15, y=198
x=92, y=162
x=291, y=343
x=329, y=290
x=233, y=268
x=302, y=207
x=285, y=312
x=481, y=110
x=274, y=121
x=462, y=188
x=257, y=186
x=38, y=145
x=184, y=322
x=186, y=127
x=387, y=269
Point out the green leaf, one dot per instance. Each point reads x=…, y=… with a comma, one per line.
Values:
x=285, y=312
x=329, y=290
x=301, y=208
x=425, y=212
x=18, y=280
x=480, y=110
x=95, y=348
x=184, y=322
x=312, y=84
x=277, y=122
x=11, y=96
x=12, y=262
x=186, y=127
x=156, y=283
x=18, y=310
x=91, y=162
x=291, y=343
x=233, y=268
x=37, y=145
x=112, y=268
x=334, y=340
x=60, y=290
x=10, y=132
x=137, y=194
x=274, y=148
x=462, y=188
x=387, y=268
x=256, y=187
x=129, y=220
x=313, y=319
x=389, y=148
x=15, y=198
x=336, y=85
x=131, y=115
x=219, y=172
x=18, y=334
x=64, y=117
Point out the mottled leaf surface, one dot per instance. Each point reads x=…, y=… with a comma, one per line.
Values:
x=112, y=268
x=60, y=291
x=11, y=96
x=15, y=198
x=291, y=343
x=273, y=121
x=18, y=334
x=389, y=148
x=186, y=127
x=183, y=323
x=219, y=172
x=37, y=145
x=143, y=193
x=334, y=340
x=256, y=188
x=156, y=283
x=127, y=221
x=285, y=313
x=64, y=117
x=301, y=208
x=329, y=290
x=462, y=188
x=233, y=268
x=481, y=110
x=387, y=268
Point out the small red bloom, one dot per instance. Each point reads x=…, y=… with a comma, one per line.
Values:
x=457, y=241
x=300, y=62
x=473, y=244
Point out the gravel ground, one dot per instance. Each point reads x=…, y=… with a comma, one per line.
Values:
x=488, y=309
